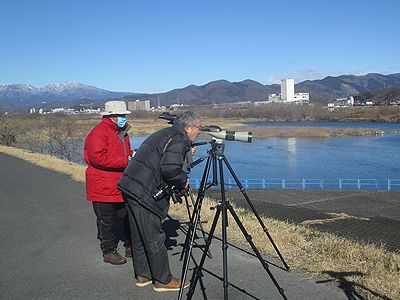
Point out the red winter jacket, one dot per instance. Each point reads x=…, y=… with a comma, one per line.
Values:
x=106, y=157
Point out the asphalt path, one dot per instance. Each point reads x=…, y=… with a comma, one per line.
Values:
x=49, y=250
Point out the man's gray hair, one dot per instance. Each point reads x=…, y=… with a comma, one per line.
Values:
x=187, y=118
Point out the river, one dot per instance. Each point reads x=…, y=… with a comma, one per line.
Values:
x=366, y=157
x=330, y=159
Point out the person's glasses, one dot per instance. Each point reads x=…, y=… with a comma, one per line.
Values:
x=198, y=127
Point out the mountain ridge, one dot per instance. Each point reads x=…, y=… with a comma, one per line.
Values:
x=21, y=96
x=321, y=90
x=25, y=95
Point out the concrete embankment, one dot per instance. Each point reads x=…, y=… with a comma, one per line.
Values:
x=369, y=216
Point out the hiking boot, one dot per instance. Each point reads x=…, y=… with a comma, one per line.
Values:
x=128, y=251
x=114, y=258
x=173, y=285
x=142, y=281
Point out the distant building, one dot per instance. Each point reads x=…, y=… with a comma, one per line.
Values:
x=139, y=105
x=342, y=102
x=274, y=97
x=90, y=111
x=288, y=95
x=32, y=110
x=287, y=90
x=57, y=110
x=302, y=97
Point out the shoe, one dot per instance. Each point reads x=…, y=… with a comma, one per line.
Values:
x=173, y=285
x=114, y=258
x=128, y=251
x=142, y=281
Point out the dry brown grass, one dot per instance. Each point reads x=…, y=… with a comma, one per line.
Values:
x=311, y=132
x=372, y=269
x=145, y=126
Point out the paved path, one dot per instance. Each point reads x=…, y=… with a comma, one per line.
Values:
x=49, y=249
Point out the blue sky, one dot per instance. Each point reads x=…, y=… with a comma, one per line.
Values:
x=155, y=46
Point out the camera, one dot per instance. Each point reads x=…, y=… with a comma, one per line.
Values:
x=165, y=191
x=167, y=116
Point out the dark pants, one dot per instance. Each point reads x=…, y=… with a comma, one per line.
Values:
x=108, y=231
x=150, y=256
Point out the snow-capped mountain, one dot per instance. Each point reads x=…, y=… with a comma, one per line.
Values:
x=11, y=90
x=24, y=95
x=59, y=87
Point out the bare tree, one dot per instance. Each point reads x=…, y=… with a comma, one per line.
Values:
x=7, y=133
x=61, y=141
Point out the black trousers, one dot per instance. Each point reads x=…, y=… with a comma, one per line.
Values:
x=112, y=225
x=150, y=256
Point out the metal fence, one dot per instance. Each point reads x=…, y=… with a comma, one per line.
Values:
x=312, y=184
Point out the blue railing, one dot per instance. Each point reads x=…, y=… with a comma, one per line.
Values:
x=308, y=184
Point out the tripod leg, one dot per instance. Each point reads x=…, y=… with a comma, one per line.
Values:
x=200, y=195
x=255, y=212
x=190, y=229
x=224, y=206
x=189, y=249
x=200, y=224
x=197, y=270
x=187, y=207
x=253, y=246
x=194, y=220
x=225, y=250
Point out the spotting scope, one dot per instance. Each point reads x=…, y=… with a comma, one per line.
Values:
x=215, y=131
x=240, y=136
x=218, y=133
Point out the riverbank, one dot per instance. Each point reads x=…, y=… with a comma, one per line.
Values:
x=309, y=132
x=371, y=269
x=148, y=126
x=49, y=133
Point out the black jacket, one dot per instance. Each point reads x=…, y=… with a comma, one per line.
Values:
x=158, y=161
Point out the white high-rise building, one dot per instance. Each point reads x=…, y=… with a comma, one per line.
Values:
x=288, y=95
x=287, y=90
x=139, y=105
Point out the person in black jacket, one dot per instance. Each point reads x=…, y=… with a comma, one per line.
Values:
x=157, y=163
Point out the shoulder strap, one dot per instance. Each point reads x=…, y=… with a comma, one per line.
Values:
x=169, y=141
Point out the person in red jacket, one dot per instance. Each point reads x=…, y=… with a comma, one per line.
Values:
x=107, y=153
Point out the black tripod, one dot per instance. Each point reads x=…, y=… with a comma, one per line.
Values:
x=216, y=153
x=190, y=194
